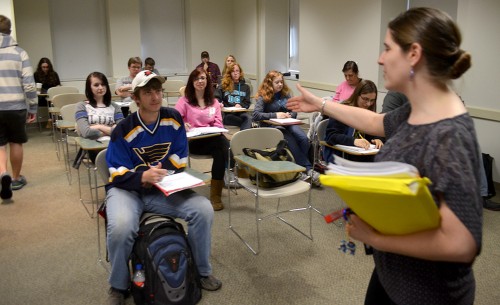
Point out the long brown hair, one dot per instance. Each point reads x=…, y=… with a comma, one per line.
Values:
x=227, y=83
x=364, y=87
x=190, y=91
x=266, y=90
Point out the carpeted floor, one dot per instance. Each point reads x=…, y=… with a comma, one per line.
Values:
x=48, y=248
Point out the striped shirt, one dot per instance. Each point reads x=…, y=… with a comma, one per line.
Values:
x=17, y=84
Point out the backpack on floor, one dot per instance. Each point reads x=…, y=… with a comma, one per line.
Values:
x=488, y=168
x=171, y=275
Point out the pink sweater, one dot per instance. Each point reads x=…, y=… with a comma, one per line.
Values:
x=197, y=117
x=343, y=92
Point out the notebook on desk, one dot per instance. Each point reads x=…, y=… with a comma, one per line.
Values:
x=287, y=121
x=198, y=131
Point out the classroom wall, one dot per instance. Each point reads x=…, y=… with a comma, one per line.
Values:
x=331, y=32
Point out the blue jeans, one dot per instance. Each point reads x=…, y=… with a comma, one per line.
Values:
x=124, y=209
x=298, y=143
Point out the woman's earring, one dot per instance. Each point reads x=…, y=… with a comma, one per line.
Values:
x=412, y=73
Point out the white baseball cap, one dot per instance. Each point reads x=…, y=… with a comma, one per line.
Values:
x=143, y=77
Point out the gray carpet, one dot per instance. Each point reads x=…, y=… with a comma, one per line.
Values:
x=48, y=248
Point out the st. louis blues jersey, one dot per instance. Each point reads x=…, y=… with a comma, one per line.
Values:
x=135, y=146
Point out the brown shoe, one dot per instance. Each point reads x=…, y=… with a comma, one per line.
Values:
x=216, y=193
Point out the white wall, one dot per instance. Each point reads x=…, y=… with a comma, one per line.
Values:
x=335, y=31
x=331, y=32
x=33, y=28
x=210, y=29
x=479, y=24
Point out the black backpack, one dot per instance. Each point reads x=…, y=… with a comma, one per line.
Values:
x=171, y=273
x=488, y=169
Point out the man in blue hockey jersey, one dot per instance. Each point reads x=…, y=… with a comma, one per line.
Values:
x=143, y=147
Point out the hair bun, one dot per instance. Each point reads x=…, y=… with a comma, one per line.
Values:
x=462, y=64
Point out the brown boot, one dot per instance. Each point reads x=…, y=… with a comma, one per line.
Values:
x=242, y=172
x=216, y=193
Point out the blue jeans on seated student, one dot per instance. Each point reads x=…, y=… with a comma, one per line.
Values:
x=298, y=143
x=124, y=209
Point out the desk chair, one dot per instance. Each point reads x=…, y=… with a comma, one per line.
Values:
x=58, y=101
x=182, y=90
x=171, y=88
x=51, y=92
x=101, y=167
x=261, y=138
x=66, y=126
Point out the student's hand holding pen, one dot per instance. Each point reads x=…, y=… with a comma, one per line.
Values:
x=362, y=142
x=154, y=174
x=187, y=126
x=283, y=115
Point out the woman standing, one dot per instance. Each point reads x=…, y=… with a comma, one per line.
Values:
x=46, y=75
x=272, y=97
x=346, y=88
x=364, y=96
x=234, y=92
x=434, y=133
x=97, y=116
x=199, y=108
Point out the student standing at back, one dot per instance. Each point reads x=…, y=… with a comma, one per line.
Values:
x=18, y=106
x=434, y=133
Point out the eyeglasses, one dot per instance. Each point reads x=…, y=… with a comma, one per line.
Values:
x=200, y=79
x=367, y=100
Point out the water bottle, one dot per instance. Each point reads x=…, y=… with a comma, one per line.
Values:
x=139, y=276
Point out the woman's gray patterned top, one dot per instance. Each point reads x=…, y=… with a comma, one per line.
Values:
x=447, y=153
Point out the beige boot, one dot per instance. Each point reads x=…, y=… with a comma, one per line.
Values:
x=216, y=193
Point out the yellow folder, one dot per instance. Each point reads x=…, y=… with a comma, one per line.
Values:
x=391, y=205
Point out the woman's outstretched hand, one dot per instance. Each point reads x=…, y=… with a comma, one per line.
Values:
x=305, y=102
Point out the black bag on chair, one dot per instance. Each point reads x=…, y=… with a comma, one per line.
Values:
x=488, y=169
x=278, y=153
x=170, y=271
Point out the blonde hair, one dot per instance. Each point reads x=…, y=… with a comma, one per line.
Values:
x=266, y=90
x=225, y=63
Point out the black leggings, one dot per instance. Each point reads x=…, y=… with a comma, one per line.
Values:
x=375, y=294
x=218, y=148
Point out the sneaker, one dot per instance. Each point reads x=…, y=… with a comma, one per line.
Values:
x=6, y=191
x=303, y=176
x=314, y=177
x=210, y=283
x=18, y=184
x=115, y=297
x=230, y=180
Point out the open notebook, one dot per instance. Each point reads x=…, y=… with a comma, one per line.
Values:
x=198, y=131
x=390, y=196
x=178, y=182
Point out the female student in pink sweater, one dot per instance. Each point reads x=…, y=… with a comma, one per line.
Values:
x=346, y=88
x=199, y=108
